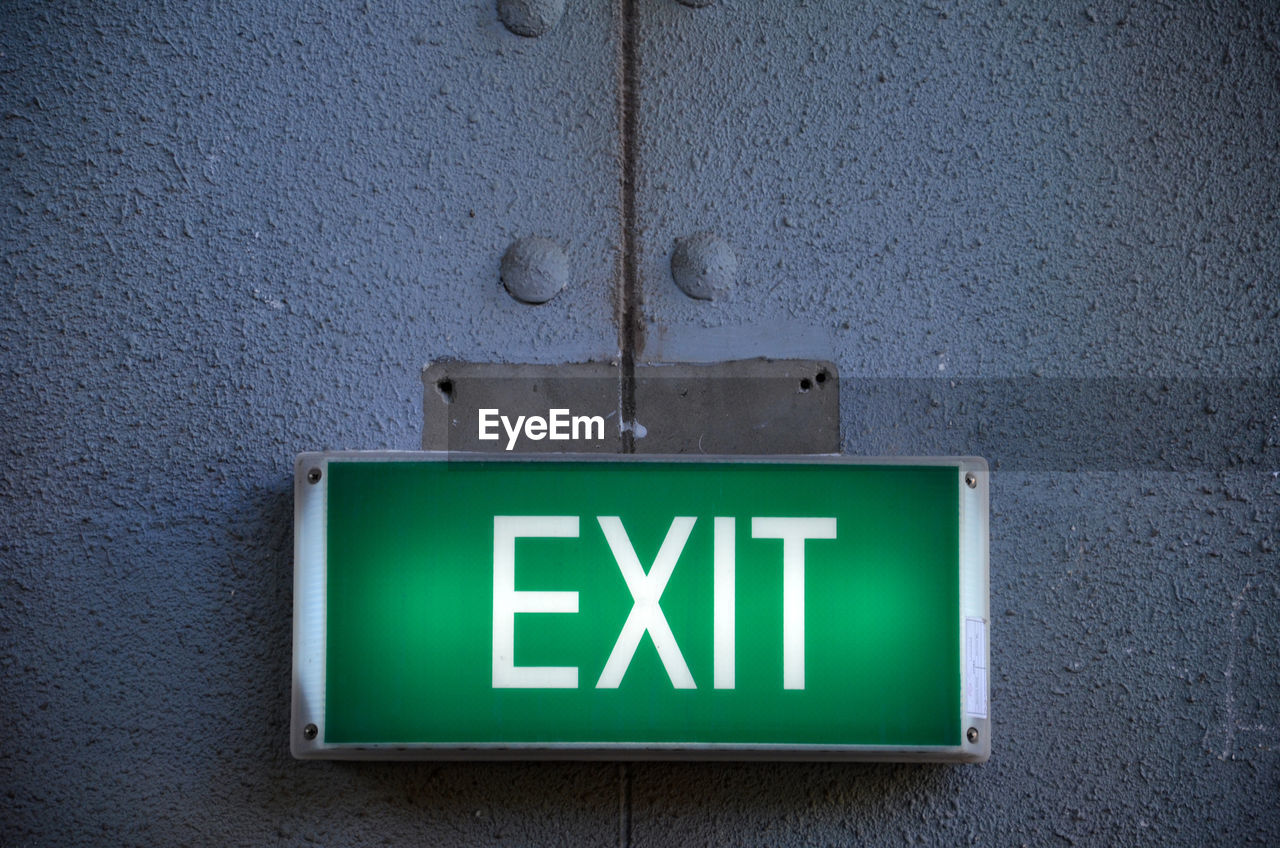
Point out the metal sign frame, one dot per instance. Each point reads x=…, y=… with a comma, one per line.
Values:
x=310, y=633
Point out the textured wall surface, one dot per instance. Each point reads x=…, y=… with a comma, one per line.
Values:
x=236, y=232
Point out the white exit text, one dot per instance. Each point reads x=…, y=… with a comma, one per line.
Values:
x=646, y=587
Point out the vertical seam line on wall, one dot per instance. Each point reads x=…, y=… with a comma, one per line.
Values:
x=624, y=806
x=629, y=288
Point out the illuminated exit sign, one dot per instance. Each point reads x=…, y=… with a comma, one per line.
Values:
x=468, y=606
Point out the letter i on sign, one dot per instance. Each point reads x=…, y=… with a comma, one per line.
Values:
x=724, y=601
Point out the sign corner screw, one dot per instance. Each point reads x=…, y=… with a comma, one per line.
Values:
x=971, y=735
x=310, y=731
x=971, y=480
x=313, y=476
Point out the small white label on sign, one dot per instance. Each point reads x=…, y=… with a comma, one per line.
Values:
x=975, y=667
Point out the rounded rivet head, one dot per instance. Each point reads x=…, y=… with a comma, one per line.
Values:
x=972, y=735
x=530, y=18
x=310, y=731
x=313, y=476
x=971, y=480
x=703, y=266
x=534, y=269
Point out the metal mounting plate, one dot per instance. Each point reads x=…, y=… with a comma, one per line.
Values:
x=752, y=406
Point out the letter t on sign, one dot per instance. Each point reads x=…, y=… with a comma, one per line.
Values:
x=793, y=532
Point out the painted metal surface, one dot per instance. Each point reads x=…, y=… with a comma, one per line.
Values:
x=956, y=190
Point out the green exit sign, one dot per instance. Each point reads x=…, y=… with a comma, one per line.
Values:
x=467, y=606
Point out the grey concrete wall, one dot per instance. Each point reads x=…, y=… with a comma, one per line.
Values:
x=236, y=231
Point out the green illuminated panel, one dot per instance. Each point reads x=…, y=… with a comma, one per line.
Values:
x=811, y=605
